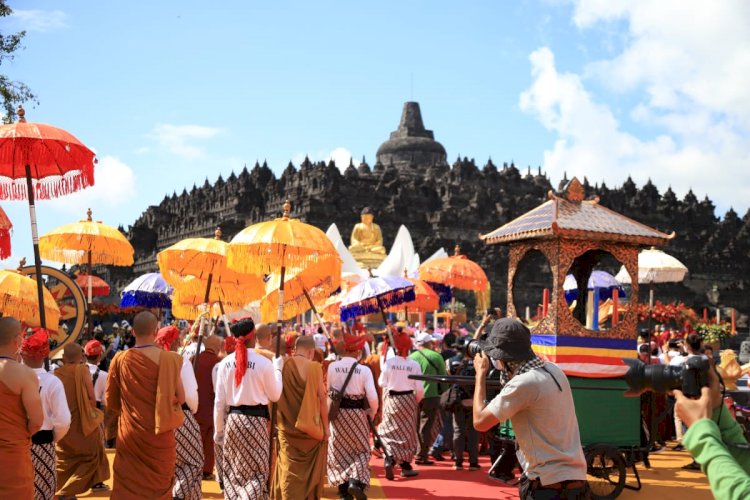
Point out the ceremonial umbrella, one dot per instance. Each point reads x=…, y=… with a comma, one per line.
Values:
x=376, y=294
x=302, y=292
x=198, y=267
x=87, y=242
x=148, y=290
x=99, y=287
x=41, y=161
x=283, y=246
x=425, y=299
x=17, y=299
x=599, y=280
x=456, y=271
x=5, y=227
x=654, y=266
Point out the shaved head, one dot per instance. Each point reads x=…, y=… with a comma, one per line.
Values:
x=263, y=332
x=304, y=343
x=10, y=329
x=72, y=354
x=214, y=343
x=145, y=324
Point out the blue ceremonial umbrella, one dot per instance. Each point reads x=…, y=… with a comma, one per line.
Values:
x=376, y=294
x=599, y=280
x=149, y=290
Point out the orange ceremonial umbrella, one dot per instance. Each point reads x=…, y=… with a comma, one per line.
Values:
x=426, y=299
x=41, y=161
x=198, y=268
x=5, y=227
x=301, y=292
x=18, y=299
x=87, y=242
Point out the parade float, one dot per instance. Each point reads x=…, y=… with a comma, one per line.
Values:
x=575, y=236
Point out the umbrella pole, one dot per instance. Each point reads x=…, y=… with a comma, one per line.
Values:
x=88, y=310
x=200, y=331
x=274, y=406
x=317, y=316
x=35, y=240
x=385, y=320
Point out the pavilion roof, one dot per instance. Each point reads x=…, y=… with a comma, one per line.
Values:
x=570, y=216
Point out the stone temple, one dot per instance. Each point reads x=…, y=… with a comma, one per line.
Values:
x=442, y=204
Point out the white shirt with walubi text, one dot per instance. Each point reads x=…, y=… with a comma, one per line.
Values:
x=395, y=376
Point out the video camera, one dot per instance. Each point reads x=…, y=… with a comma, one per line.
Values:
x=689, y=378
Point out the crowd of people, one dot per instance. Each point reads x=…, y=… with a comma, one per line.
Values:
x=280, y=415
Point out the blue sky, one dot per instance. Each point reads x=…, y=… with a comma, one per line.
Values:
x=171, y=92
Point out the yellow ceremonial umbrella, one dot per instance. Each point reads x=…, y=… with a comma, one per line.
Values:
x=189, y=307
x=301, y=292
x=87, y=242
x=197, y=267
x=283, y=245
x=18, y=300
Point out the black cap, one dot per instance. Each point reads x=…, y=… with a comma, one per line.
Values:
x=509, y=340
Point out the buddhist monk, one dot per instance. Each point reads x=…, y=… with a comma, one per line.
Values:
x=207, y=365
x=302, y=427
x=21, y=415
x=144, y=387
x=81, y=460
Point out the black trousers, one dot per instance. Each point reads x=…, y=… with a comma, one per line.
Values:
x=428, y=412
x=531, y=490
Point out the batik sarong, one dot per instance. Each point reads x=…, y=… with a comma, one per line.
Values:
x=44, y=459
x=397, y=430
x=219, y=463
x=349, y=447
x=188, y=471
x=246, y=467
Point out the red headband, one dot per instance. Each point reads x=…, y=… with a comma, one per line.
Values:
x=353, y=343
x=240, y=354
x=403, y=343
x=166, y=336
x=93, y=348
x=36, y=345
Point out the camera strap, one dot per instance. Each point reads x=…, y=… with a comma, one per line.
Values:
x=553, y=378
x=437, y=371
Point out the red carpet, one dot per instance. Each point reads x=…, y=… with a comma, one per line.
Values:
x=441, y=481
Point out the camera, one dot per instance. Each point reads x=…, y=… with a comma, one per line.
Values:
x=689, y=378
x=468, y=346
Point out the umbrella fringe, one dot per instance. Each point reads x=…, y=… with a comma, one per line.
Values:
x=49, y=187
x=10, y=306
x=4, y=244
x=115, y=257
x=262, y=259
x=145, y=299
x=444, y=292
x=371, y=306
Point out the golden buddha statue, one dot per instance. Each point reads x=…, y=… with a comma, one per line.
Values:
x=730, y=369
x=367, y=241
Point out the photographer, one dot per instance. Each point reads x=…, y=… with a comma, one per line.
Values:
x=537, y=399
x=716, y=441
x=464, y=434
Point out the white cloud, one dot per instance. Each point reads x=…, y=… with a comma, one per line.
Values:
x=340, y=155
x=178, y=139
x=687, y=65
x=40, y=20
x=115, y=186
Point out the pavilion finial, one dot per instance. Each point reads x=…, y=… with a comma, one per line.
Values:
x=573, y=190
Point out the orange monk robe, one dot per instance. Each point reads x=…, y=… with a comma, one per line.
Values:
x=373, y=362
x=301, y=463
x=143, y=393
x=81, y=460
x=16, y=470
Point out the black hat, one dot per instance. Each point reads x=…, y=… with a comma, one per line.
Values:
x=509, y=340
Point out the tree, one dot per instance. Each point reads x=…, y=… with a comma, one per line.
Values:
x=12, y=92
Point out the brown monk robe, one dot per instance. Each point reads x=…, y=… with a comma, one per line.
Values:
x=373, y=363
x=81, y=460
x=303, y=427
x=144, y=387
x=21, y=415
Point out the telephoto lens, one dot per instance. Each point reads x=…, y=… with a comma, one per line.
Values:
x=468, y=346
x=689, y=378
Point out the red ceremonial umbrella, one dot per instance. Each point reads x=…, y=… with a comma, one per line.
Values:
x=99, y=287
x=5, y=227
x=41, y=161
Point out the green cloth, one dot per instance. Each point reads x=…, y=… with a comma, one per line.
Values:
x=431, y=389
x=727, y=467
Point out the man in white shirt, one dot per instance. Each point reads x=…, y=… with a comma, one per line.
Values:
x=94, y=351
x=401, y=397
x=349, y=444
x=56, y=417
x=246, y=382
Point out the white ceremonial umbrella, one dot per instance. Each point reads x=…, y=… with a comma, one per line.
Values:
x=655, y=266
